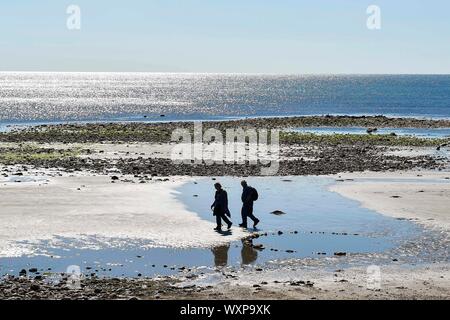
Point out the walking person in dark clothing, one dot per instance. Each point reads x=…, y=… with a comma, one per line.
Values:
x=220, y=207
x=249, y=195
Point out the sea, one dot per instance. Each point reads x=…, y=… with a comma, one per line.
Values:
x=46, y=97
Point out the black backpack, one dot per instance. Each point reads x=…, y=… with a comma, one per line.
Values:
x=254, y=194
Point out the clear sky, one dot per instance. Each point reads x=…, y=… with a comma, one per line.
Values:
x=255, y=36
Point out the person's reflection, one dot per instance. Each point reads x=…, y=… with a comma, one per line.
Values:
x=221, y=255
x=248, y=253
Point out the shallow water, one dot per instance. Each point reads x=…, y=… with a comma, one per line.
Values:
x=415, y=132
x=317, y=224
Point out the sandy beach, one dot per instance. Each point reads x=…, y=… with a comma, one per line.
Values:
x=423, y=196
x=83, y=205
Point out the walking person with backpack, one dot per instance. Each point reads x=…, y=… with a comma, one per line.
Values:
x=249, y=195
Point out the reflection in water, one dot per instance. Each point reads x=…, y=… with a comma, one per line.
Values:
x=248, y=253
x=221, y=255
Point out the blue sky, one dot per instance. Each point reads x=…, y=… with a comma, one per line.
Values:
x=255, y=36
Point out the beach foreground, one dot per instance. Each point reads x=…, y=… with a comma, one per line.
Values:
x=398, y=282
x=91, y=193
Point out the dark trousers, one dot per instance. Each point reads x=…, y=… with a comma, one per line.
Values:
x=220, y=217
x=247, y=212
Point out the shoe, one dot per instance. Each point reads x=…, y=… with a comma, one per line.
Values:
x=218, y=229
x=255, y=223
x=242, y=226
x=229, y=225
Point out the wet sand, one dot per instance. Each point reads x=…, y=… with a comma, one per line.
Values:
x=420, y=195
x=396, y=282
x=83, y=205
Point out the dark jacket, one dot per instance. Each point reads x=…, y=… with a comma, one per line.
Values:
x=247, y=196
x=221, y=203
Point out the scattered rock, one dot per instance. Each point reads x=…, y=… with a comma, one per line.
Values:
x=258, y=246
x=35, y=287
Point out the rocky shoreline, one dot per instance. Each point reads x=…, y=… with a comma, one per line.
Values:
x=428, y=283
x=161, y=131
x=302, y=154
x=39, y=287
x=355, y=160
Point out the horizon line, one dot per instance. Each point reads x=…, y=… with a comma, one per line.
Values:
x=234, y=73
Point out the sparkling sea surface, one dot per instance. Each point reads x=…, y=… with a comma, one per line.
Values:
x=46, y=97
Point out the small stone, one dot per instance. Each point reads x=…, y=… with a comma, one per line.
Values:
x=35, y=287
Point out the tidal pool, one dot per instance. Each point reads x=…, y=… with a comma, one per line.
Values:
x=416, y=132
x=317, y=224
